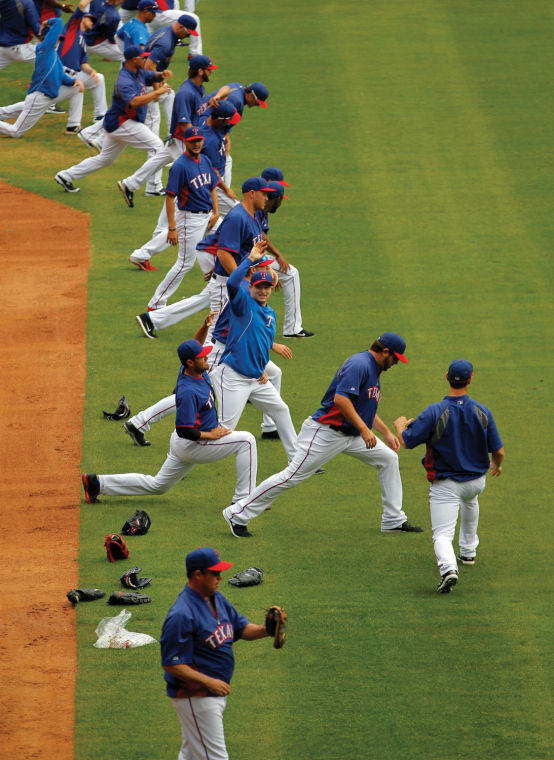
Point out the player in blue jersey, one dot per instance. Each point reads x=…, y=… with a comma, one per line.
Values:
x=197, y=654
x=124, y=120
x=49, y=84
x=343, y=423
x=19, y=21
x=198, y=438
x=191, y=208
x=459, y=433
x=134, y=31
x=101, y=39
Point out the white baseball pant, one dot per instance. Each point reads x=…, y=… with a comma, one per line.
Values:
x=233, y=390
x=446, y=496
x=154, y=165
x=26, y=53
x=98, y=96
x=318, y=444
x=169, y=17
x=30, y=110
x=113, y=51
x=131, y=132
x=94, y=131
x=191, y=228
x=290, y=281
x=202, y=732
x=183, y=455
x=153, y=121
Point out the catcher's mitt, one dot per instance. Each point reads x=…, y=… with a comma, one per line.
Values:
x=276, y=625
x=130, y=579
x=249, y=577
x=127, y=597
x=77, y=595
x=116, y=548
x=137, y=525
x=121, y=413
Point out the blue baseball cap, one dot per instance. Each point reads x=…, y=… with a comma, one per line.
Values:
x=205, y=558
x=277, y=190
x=190, y=24
x=192, y=349
x=148, y=5
x=460, y=370
x=394, y=343
x=275, y=174
x=224, y=110
x=260, y=92
x=264, y=276
x=135, y=51
x=193, y=133
x=256, y=183
x=201, y=62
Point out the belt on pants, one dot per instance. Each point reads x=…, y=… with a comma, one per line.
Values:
x=70, y=72
x=197, y=212
x=337, y=429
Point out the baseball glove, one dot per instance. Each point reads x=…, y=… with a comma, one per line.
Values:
x=276, y=625
x=121, y=413
x=249, y=577
x=137, y=525
x=77, y=595
x=130, y=579
x=116, y=548
x=127, y=597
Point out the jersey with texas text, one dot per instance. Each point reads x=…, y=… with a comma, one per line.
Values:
x=195, y=402
x=191, y=180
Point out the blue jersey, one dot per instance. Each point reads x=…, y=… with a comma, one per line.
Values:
x=251, y=328
x=72, y=48
x=107, y=21
x=127, y=86
x=459, y=434
x=221, y=328
x=191, y=181
x=49, y=75
x=235, y=97
x=195, y=402
x=214, y=147
x=192, y=634
x=238, y=234
x=134, y=32
x=187, y=107
x=161, y=46
x=263, y=219
x=358, y=380
x=19, y=20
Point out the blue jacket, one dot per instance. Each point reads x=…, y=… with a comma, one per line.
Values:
x=49, y=75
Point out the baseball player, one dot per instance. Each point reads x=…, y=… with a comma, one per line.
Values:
x=198, y=438
x=191, y=207
x=124, y=120
x=241, y=373
x=133, y=31
x=458, y=433
x=186, y=110
x=197, y=655
x=73, y=55
x=289, y=276
x=343, y=423
x=49, y=84
x=19, y=20
x=101, y=39
x=167, y=14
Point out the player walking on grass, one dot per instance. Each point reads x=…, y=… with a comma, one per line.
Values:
x=343, y=423
x=459, y=433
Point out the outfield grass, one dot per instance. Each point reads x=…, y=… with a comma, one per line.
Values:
x=417, y=140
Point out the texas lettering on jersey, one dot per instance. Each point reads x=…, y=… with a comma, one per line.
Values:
x=374, y=392
x=222, y=633
x=201, y=180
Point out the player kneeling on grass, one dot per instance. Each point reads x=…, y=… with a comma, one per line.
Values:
x=459, y=434
x=198, y=438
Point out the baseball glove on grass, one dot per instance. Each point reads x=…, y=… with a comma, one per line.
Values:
x=130, y=579
x=127, y=597
x=121, y=413
x=77, y=595
x=137, y=525
x=276, y=625
x=249, y=577
x=116, y=548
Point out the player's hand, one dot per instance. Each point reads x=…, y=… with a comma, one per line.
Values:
x=172, y=237
x=167, y=74
x=67, y=8
x=368, y=438
x=284, y=265
x=208, y=275
x=282, y=350
x=496, y=472
x=212, y=220
x=221, y=688
x=213, y=102
x=257, y=251
x=217, y=433
x=208, y=322
x=232, y=195
x=391, y=441
x=94, y=75
x=79, y=85
x=264, y=378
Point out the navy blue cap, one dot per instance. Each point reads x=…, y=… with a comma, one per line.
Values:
x=224, y=110
x=256, y=183
x=261, y=93
x=193, y=133
x=277, y=190
x=190, y=24
x=201, y=62
x=148, y=5
x=192, y=349
x=262, y=276
x=460, y=370
x=205, y=558
x=135, y=51
x=394, y=343
x=275, y=174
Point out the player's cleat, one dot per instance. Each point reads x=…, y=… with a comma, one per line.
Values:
x=55, y=108
x=271, y=435
x=300, y=334
x=448, y=580
x=127, y=194
x=135, y=434
x=67, y=185
x=73, y=130
x=145, y=324
x=406, y=527
x=91, y=486
x=145, y=265
x=238, y=531
x=92, y=144
x=155, y=193
x=466, y=560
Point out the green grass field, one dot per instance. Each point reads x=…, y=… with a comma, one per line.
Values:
x=417, y=139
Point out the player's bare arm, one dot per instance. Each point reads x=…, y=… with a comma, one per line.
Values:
x=215, y=209
x=221, y=94
x=282, y=350
x=186, y=673
x=143, y=100
x=202, y=332
x=172, y=236
x=349, y=412
x=400, y=425
x=389, y=438
x=252, y=632
x=283, y=263
x=264, y=378
x=215, y=434
x=496, y=463
x=227, y=261
x=257, y=251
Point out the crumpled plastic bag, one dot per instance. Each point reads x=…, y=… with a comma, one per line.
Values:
x=112, y=633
